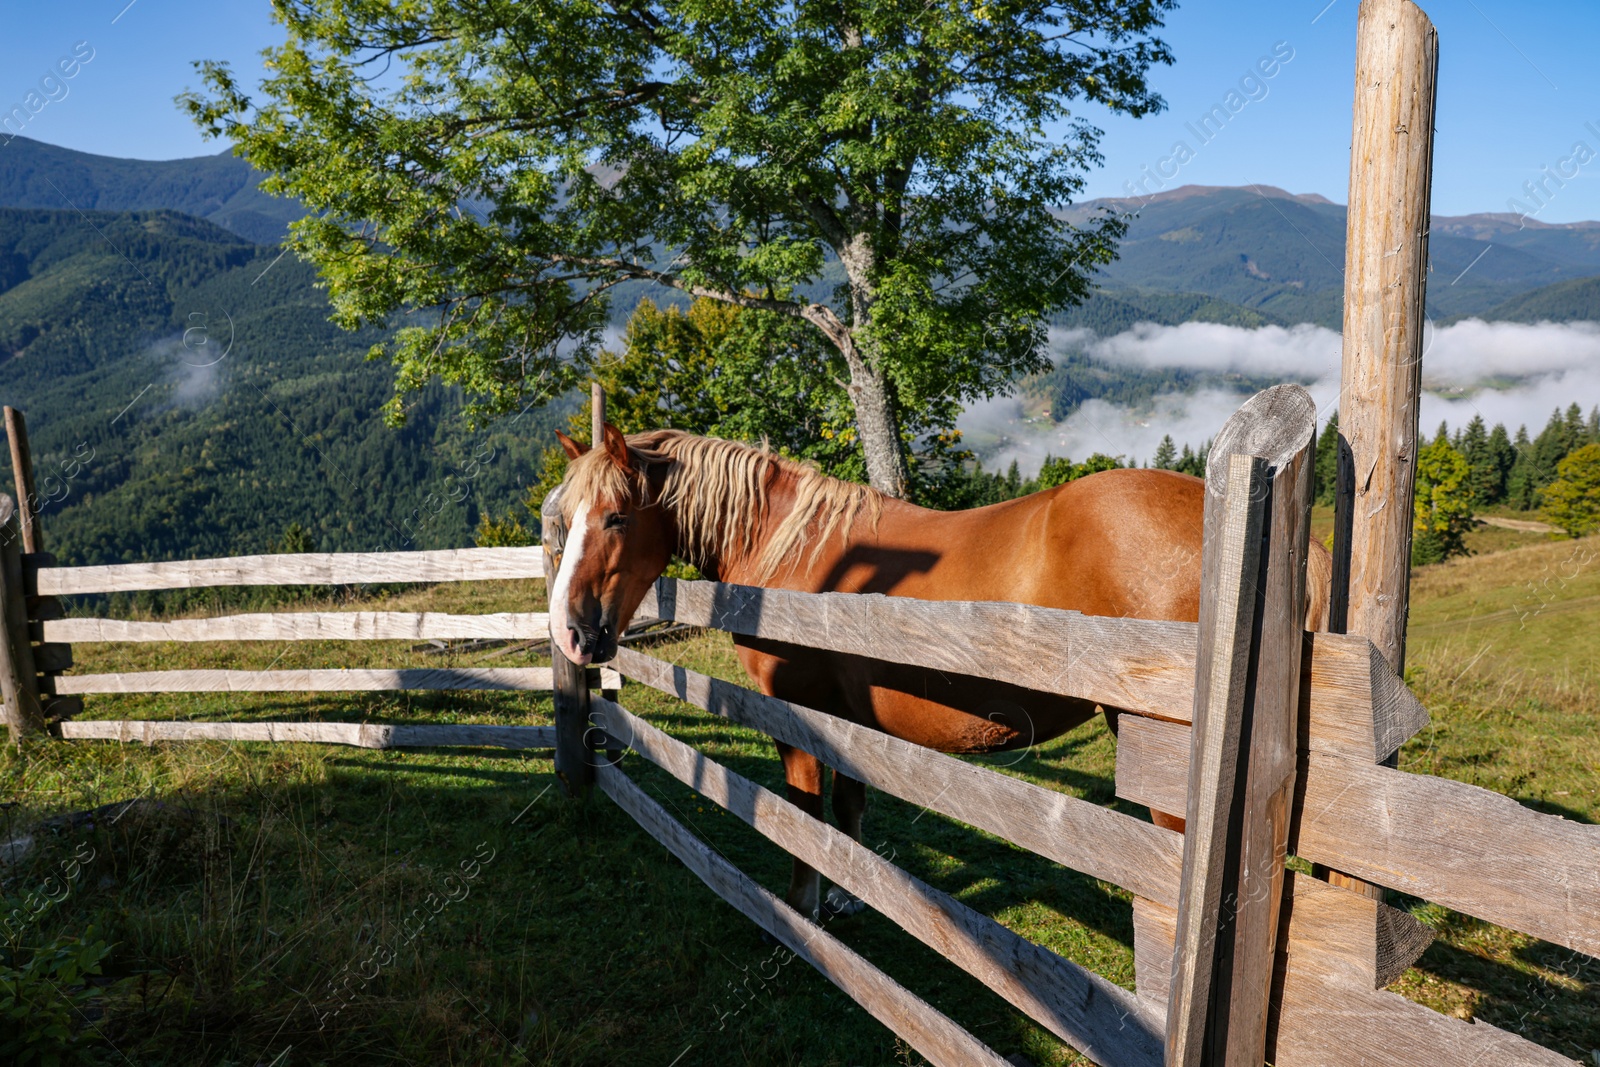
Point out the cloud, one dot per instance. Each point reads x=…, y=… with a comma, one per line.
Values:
x=1511, y=373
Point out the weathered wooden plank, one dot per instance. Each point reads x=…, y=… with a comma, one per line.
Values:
x=1095, y=1016
x=308, y=626
x=1137, y=665
x=1468, y=848
x=307, y=568
x=22, y=474
x=932, y=1034
x=19, y=684
x=1203, y=988
x=1330, y=1012
x=1105, y=844
x=536, y=679
x=362, y=735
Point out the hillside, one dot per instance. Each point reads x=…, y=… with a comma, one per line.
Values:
x=1282, y=256
x=1574, y=301
x=195, y=379
x=220, y=188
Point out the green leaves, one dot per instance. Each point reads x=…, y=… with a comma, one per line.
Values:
x=482, y=175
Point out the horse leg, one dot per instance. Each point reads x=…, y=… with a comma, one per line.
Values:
x=849, y=804
x=1165, y=820
x=803, y=772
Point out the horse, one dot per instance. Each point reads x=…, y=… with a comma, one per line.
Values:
x=1121, y=542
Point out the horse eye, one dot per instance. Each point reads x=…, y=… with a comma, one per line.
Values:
x=616, y=521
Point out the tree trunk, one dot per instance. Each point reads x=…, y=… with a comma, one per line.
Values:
x=871, y=392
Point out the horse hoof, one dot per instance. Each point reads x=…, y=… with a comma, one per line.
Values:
x=841, y=904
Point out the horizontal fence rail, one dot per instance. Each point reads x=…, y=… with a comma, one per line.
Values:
x=360, y=735
x=932, y=1033
x=1105, y=844
x=307, y=568
x=1100, y=1018
x=536, y=679
x=1356, y=706
x=308, y=626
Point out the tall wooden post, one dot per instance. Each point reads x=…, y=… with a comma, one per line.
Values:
x=597, y=414
x=19, y=682
x=1385, y=291
x=1385, y=286
x=22, y=473
x=1244, y=746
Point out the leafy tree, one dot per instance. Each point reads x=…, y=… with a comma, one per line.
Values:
x=507, y=532
x=1443, y=503
x=1572, y=501
x=532, y=157
x=1056, y=472
x=1325, y=468
x=1166, y=454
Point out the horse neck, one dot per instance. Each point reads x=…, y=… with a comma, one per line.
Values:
x=727, y=556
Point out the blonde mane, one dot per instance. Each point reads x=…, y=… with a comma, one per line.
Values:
x=719, y=493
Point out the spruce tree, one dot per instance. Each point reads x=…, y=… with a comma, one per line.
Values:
x=1166, y=454
x=1325, y=470
x=1501, y=454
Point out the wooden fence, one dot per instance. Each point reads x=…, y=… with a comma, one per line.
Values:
x=1271, y=740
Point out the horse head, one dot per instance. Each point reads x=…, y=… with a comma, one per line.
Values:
x=610, y=541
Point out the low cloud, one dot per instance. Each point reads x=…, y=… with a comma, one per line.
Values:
x=1511, y=373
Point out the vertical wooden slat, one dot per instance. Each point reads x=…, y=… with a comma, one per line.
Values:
x=19, y=684
x=22, y=473
x=597, y=413
x=574, y=756
x=1243, y=741
x=1229, y=569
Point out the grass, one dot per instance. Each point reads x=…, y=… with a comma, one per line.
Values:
x=277, y=904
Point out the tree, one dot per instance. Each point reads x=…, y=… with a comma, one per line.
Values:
x=1443, y=503
x=1502, y=457
x=1521, y=481
x=1572, y=501
x=1325, y=468
x=533, y=157
x=296, y=538
x=1056, y=472
x=1166, y=454
x=1550, y=447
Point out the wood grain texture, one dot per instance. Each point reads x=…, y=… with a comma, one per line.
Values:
x=1133, y=664
x=309, y=568
x=307, y=626
x=535, y=679
x=1203, y=988
x=1468, y=848
x=362, y=735
x=1279, y=427
x=1095, y=1016
x=19, y=685
x=1105, y=844
x=931, y=1033
x=22, y=475
x=1385, y=285
x=1330, y=1015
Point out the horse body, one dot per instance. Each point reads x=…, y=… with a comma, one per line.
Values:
x=1123, y=543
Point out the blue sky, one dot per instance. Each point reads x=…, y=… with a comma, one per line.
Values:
x=1518, y=83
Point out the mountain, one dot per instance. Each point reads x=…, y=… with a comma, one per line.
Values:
x=1575, y=301
x=220, y=188
x=1281, y=255
x=187, y=396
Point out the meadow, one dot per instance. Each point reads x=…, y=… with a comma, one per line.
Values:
x=298, y=904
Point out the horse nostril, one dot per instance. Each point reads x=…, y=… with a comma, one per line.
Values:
x=577, y=637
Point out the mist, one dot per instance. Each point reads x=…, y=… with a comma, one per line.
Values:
x=1511, y=373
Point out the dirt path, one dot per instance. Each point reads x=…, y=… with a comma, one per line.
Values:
x=1525, y=525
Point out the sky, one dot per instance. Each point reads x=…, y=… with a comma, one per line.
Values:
x=1518, y=82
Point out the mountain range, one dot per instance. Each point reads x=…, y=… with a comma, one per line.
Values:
x=187, y=395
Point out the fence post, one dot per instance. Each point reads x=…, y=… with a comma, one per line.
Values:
x=1243, y=748
x=27, y=504
x=19, y=684
x=1385, y=291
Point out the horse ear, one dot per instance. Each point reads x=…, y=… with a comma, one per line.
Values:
x=572, y=448
x=617, y=447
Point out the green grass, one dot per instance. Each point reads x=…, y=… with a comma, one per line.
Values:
x=270, y=872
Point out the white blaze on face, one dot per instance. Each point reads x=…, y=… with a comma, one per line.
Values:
x=571, y=556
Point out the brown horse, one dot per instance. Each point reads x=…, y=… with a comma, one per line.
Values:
x=1122, y=542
